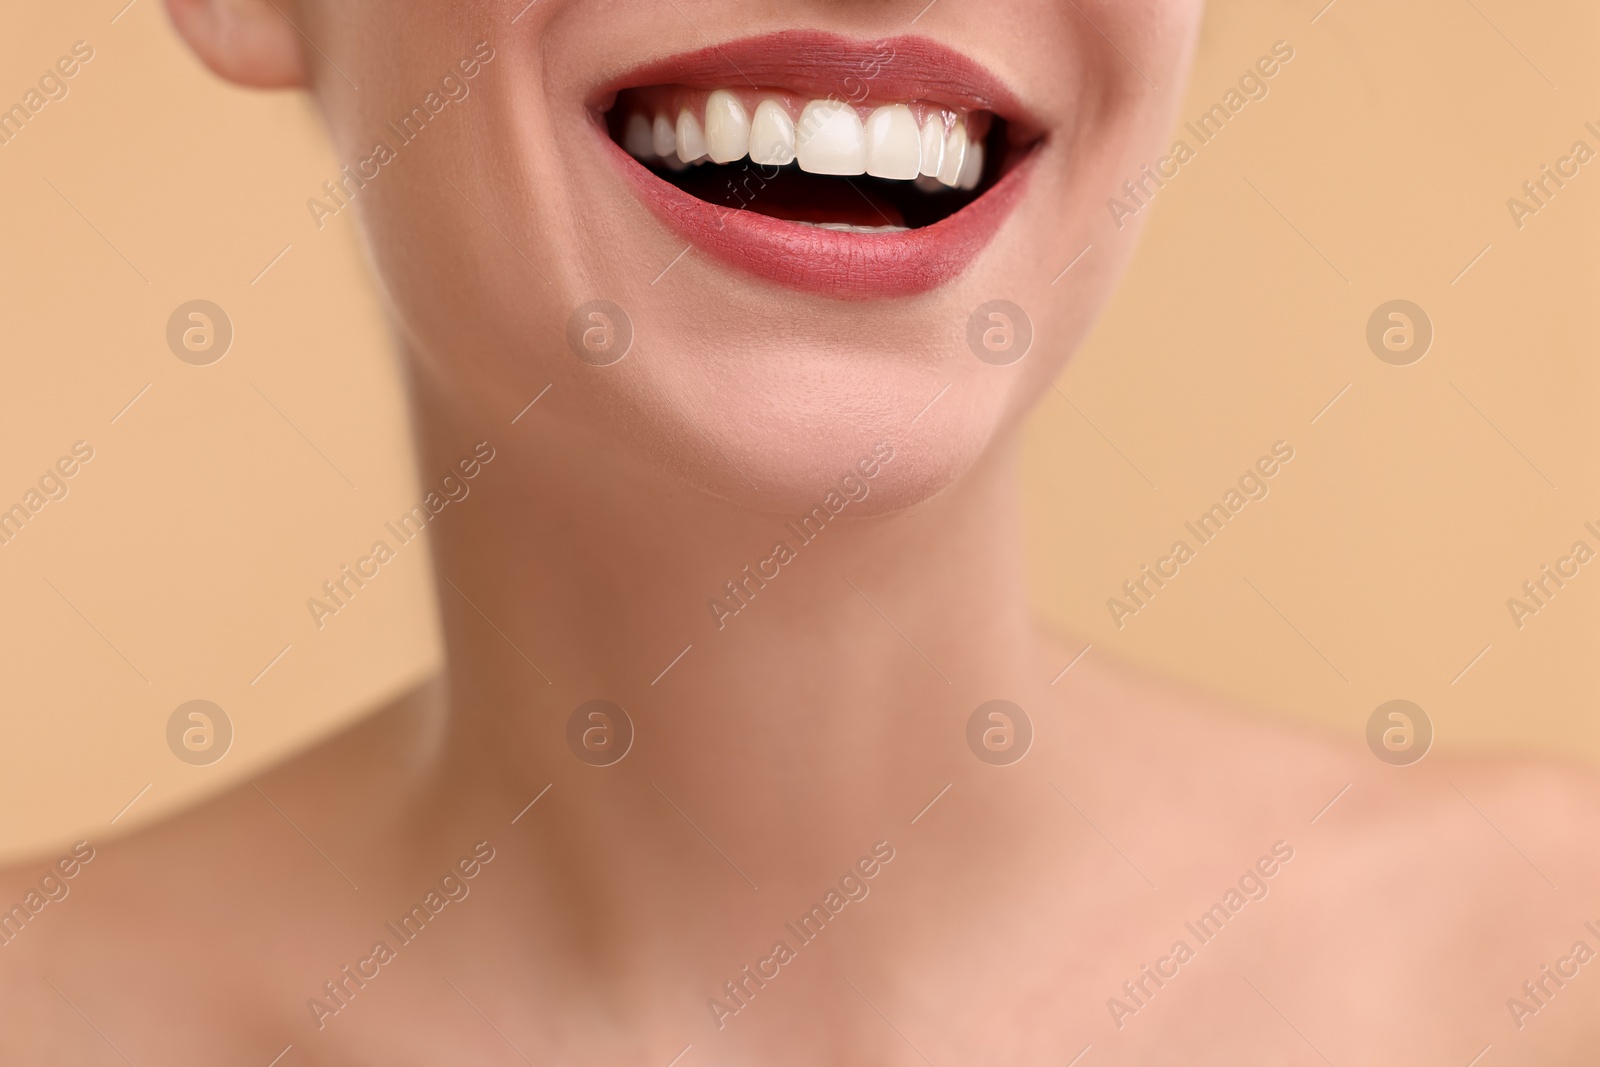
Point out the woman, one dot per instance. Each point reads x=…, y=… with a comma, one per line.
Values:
x=720, y=319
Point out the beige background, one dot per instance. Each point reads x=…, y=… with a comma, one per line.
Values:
x=1378, y=167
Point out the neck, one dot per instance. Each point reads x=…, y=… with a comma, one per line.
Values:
x=806, y=715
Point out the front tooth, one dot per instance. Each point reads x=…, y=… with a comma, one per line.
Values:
x=727, y=127
x=663, y=138
x=955, y=154
x=972, y=169
x=894, y=146
x=771, y=135
x=932, y=145
x=831, y=140
x=636, y=137
x=691, y=138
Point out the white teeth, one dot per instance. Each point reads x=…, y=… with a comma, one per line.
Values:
x=850, y=227
x=727, y=127
x=831, y=140
x=663, y=138
x=932, y=145
x=894, y=146
x=955, y=154
x=691, y=138
x=636, y=137
x=771, y=135
x=972, y=169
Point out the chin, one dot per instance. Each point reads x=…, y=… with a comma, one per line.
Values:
x=749, y=244
x=801, y=422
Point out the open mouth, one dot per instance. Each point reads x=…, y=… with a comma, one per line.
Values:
x=843, y=167
x=820, y=162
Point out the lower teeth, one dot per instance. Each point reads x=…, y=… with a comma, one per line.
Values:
x=848, y=227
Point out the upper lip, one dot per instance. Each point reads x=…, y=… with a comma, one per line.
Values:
x=815, y=63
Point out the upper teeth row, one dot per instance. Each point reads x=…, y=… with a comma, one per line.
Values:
x=830, y=138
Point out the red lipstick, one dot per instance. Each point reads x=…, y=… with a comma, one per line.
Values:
x=833, y=263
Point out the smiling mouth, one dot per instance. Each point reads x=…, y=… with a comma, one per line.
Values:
x=848, y=168
x=821, y=162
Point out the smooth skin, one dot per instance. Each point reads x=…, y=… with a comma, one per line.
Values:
x=820, y=720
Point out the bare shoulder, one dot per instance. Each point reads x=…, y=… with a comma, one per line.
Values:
x=1428, y=910
x=105, y=934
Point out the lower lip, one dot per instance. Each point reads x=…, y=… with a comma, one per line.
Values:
x=828, y=262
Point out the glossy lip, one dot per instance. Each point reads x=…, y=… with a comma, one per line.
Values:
x=828, y=262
